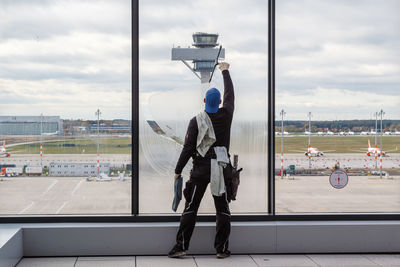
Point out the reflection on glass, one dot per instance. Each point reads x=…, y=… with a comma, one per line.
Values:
x=170, y=95
x=337, y=70
x=65, y=123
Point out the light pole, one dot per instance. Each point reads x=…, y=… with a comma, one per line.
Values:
x=41, y=141
x=381, y=113
x=309, y=139
x=98, y=113
x=283, y=113
x=376, y=142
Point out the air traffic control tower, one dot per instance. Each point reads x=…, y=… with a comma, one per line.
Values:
x=203, y=54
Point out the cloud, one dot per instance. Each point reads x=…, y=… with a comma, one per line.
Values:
x=78, y=53
x=345, y=104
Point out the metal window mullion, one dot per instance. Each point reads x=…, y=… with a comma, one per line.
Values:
x=271, y=107
x=135, y=108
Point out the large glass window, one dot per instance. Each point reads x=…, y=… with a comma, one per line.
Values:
x=171, y=94
x=337, y=69
x=65, y=117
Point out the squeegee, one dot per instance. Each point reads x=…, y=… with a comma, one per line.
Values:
x=215, y=63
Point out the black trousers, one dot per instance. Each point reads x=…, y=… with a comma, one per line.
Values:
x=193, y=192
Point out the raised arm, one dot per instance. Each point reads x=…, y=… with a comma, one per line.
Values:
x=229, y=94
x=189, y=147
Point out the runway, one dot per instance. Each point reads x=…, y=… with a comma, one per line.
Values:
x=354, y=160
x=116, y=160
x=75, y=195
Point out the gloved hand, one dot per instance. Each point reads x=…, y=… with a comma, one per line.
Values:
x=223, y=66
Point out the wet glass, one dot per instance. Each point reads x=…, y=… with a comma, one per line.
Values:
x=337, y=68
x=170, y=95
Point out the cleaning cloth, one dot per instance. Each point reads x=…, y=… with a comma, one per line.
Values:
x=206, y=136
x=177, y=193
x=217, y=182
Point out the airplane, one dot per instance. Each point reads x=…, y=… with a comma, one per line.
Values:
x=49, y=134
x=342, y=133
x=3, y=151
x=280, y=133
x=320, y=133
x=387, y=133
x=396, y=132
x=329, y=133
x=378, y=151
x=313, y=152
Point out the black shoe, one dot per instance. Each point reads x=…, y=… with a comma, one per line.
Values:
x=223, y=255
x=176, y=252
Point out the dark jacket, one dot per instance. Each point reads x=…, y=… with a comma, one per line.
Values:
x=221, y=121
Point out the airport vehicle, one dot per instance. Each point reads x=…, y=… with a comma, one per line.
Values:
x=11, y=171
x=3, y=151
x=33, y=170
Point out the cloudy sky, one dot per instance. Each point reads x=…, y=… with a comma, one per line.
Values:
x=336, y=58
x=65, y=58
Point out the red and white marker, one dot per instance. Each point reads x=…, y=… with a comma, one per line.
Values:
x=98, y=163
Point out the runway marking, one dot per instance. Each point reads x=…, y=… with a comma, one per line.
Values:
x=50, y=187
x=62, y=206
x=28, y=207
x=76, y=188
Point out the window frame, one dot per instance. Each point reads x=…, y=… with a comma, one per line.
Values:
x=136, y=216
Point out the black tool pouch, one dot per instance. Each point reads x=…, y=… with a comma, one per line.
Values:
x=235, y=178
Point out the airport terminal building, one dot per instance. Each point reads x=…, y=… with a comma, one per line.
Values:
x=30, y=125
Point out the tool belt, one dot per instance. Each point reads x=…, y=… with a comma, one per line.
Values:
x=231, y=172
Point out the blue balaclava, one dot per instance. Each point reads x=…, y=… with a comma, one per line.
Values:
x=213, y=98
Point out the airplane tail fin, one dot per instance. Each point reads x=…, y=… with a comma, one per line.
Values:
x=369, y=144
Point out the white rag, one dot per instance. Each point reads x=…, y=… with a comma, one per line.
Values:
x=217, y=182
x=206, y=136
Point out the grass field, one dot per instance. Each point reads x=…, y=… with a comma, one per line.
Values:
x=341, y=144
x=86, y=146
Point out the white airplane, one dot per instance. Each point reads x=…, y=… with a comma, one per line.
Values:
x=396, y=132
x=372, y=150
x=364, y=133
x=49, y=134
x=342, y=133
x=387, y=133
x=280, y=133
x=313, y=152
x=329, y=133
x=307, y=132
x=3, y=151
x=320, y=133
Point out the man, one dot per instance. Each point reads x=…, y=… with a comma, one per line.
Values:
x=221, y=119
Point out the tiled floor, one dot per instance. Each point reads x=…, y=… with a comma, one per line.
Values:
x=333, y=260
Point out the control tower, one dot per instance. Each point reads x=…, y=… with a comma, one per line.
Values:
x=202, y=55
